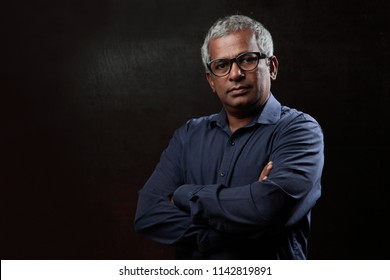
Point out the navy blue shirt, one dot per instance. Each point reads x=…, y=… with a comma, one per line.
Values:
x=222, y=210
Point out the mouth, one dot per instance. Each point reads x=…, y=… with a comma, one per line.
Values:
x=238, y=90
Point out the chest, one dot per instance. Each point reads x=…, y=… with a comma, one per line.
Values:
x=218, y=158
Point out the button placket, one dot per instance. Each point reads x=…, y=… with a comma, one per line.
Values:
x=227, y=160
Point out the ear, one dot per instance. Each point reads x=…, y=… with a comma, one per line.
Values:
x=273, y=67
x=211, y=81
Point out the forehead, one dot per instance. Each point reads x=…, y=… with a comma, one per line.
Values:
x=233, y=44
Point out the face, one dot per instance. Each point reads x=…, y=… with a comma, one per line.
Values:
x=241, y=92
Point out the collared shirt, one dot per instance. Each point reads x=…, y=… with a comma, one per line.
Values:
x=221, y=210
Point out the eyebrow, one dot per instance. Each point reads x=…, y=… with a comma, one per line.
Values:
x=234, y=56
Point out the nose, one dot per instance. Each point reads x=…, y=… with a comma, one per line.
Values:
x=235, y=72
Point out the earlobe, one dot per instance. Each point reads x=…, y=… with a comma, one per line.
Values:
x=273, y=75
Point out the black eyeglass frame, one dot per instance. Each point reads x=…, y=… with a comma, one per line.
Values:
x=258, y=54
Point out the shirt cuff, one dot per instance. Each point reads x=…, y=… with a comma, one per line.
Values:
x=184, y=194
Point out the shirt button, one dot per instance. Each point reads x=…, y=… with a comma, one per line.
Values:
x=222, y=174
x=232, y=143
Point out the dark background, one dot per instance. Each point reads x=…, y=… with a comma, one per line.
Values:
x=93, y=90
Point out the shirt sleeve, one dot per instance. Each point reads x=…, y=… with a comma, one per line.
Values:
x=157, y=217
x=283, y=199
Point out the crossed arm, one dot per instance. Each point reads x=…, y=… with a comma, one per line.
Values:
x=170, y=213
x=263, y=175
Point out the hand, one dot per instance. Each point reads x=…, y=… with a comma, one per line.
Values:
x=265, y=172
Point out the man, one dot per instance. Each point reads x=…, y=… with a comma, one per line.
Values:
x=239, y=184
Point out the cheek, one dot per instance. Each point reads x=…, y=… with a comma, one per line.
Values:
x=263, y=79
x=219, y=86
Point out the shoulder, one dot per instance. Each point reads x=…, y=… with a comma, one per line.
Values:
x=295, y=123
x=202, y=122
x=196, y=124
x=291, y=115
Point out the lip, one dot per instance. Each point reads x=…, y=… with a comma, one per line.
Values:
x=238, y=90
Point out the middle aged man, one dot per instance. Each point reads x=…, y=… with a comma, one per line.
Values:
x=241, y=183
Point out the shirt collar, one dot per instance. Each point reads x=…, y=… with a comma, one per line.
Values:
x=269, y=115
x=271, y=111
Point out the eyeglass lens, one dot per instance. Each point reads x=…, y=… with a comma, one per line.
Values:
x=246, y=62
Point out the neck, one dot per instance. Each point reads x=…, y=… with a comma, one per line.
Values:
x=235, y=124
x=241, y=119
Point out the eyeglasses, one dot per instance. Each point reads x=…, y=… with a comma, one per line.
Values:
x=246, y=61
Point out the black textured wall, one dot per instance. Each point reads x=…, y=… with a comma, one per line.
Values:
x=92, y=91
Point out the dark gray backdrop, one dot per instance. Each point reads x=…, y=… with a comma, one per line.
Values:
x=93, y=90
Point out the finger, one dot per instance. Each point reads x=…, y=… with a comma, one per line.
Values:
x=265, y=172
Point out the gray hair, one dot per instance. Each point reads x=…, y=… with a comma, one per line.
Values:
x=233, y=23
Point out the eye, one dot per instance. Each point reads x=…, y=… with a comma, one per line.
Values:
x=247, y=59
x=220, y=64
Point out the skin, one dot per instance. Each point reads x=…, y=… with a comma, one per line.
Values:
x=242, y=93
x=266, y=171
